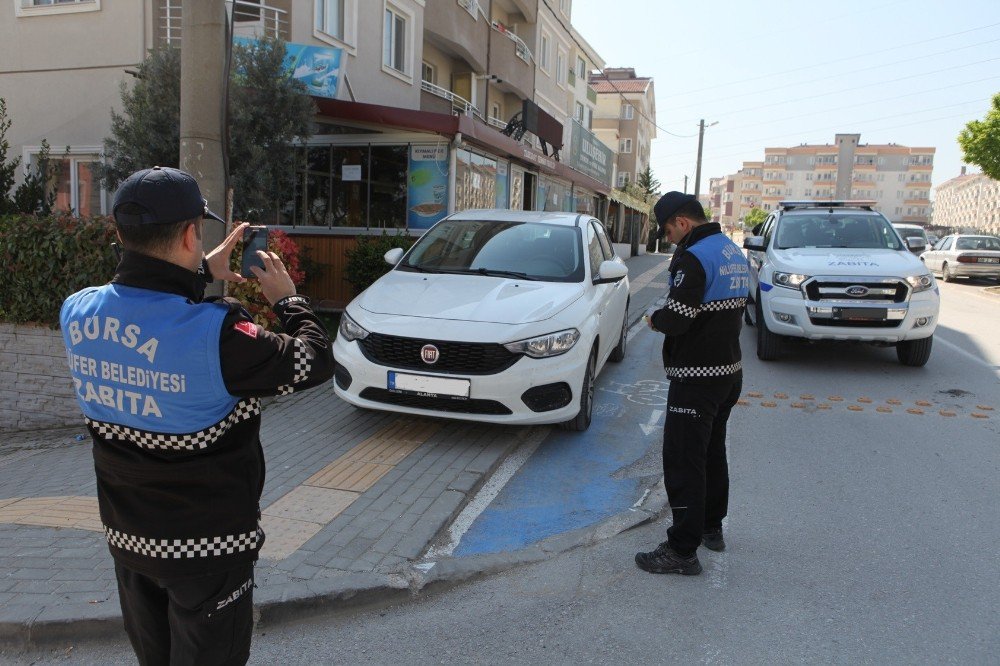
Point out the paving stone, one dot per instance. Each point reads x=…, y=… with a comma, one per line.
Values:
x=465, y=482
x=356, y=547
x=31, y=574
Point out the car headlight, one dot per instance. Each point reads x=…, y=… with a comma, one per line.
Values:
x=350, y=329
x=921, y=282
x=790, y=280
x=544, y=346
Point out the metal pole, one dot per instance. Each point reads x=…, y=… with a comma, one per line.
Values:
x=685, y=184
x=203, y=56
x=697, y=172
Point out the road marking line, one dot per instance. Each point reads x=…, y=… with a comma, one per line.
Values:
x=504, y=473
x=972, y=357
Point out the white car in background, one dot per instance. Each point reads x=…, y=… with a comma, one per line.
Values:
x=493, y=315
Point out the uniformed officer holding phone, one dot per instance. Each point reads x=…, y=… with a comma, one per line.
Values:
x=169, y=385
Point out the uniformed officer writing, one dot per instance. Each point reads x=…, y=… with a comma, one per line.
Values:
x=169, y=383
x=700, y=321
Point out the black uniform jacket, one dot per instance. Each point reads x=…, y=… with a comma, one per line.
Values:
x=178, y=512
x=702, y=316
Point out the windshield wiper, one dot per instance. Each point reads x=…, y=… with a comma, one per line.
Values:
x=493, y=272
x=420, y=269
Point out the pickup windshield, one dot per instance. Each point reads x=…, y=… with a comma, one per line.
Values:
x=823, y=228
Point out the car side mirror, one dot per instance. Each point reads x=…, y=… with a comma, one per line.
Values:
x=393, y=256
x=755, y=243
x=915, y=243
x=610, y=271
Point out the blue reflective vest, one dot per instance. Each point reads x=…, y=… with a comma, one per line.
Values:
x=146, y=359
x=727, y=274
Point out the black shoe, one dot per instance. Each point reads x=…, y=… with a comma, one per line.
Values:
x=665, y=560
x=712, y=539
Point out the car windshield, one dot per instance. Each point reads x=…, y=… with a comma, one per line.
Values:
x=526, y=250
x=978, y=243
x=822, y=228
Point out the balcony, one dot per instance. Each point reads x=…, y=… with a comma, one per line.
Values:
x=460, y=28
x=251, y=19
x=441, y=100
x=510, y=60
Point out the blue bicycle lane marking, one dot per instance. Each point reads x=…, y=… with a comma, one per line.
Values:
x=576, y=479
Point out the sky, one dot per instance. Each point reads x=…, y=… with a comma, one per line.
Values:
x=778, y=73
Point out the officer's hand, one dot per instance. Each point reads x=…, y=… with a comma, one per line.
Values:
x=218, y=259
x=275, y=282
x=649, y=318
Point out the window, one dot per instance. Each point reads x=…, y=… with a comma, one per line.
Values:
x=394, y=40
x=628, y=111
x=330, y=17
x=590, y=118
x=41, y=7
x=594, y=250
x=495, y=111
x=543, y=52
x=607, y=250
x=560, y=67
x=78, y=188
x=428, y=72
x=625, y=146
x=623, y=178
x=578, y=113
x=581, y=69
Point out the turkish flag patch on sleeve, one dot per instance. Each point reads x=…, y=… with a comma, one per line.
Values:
x=246, y=328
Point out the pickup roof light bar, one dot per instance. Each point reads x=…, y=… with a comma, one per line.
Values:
x=866, y=204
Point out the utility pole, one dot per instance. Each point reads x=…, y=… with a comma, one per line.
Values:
x=203, y=58
x=685, y=184
x=701, y=140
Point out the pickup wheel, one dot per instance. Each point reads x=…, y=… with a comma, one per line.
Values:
x=914, y=352
x=946, y=273
x=768, y=343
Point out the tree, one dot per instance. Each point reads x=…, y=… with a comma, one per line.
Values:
x=708, y=212
x=754, y=217
x=647, y=183
x=980, y=141
x=268, y=110
x=36, y=194
x=8, y=170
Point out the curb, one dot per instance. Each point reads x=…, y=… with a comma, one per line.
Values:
x=356, y=590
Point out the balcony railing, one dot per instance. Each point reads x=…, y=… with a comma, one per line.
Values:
x=257, y=18
x=459, y=105
x=522, y=50
x=496, y=122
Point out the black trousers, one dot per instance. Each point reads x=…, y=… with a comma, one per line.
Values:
x=695, y=470
x=203, y=620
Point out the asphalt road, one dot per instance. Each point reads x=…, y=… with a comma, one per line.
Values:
x=863, y=529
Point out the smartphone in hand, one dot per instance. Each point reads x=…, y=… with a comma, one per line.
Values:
x=254, y=238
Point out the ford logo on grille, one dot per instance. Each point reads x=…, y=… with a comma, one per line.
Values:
x=429, y=354
x=857, y=291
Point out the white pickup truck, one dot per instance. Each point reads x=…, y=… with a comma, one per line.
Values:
x=837, y=270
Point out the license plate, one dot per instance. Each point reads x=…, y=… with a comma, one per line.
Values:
x=989, y=260
x=428, y=386
x=860, y=314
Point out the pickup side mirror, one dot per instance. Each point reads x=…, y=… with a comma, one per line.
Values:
x=755, y=243
x=610, y=271
x=756, y=228
x=393, y=256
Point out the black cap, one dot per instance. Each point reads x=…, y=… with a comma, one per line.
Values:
x=669, y=204
x=166, y=196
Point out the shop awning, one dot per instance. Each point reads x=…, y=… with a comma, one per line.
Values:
x=443, y=124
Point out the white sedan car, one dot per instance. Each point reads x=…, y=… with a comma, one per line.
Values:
x=493, y=315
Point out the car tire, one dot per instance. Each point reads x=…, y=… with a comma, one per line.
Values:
x=768, y=343
x=581, y=421
x=618, y=353
x=914, y=352
x=946, y=273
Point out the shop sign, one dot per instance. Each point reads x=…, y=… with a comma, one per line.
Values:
x=589, y=155
x=319, y=68
x=427, y=186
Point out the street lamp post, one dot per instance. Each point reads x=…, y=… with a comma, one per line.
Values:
x=701, y=141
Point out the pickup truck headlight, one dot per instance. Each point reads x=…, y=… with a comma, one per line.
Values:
x=790, y=280
x=350, y=329
x=544, y=346
x=921, y=282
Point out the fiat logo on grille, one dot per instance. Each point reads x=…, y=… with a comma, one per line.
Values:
x=429, y=354
x=857, y=291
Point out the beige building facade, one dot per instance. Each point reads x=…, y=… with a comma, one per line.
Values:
x=897, y=178
x=626, y=119
x=968, y=203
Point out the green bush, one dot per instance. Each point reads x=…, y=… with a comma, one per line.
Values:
x=365, y=263
x=47, y=258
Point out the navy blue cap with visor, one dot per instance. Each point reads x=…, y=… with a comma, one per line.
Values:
x=164, y=194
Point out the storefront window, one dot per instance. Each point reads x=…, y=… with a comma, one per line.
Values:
x=553, y=195
x=475, y=181
x=388, y=187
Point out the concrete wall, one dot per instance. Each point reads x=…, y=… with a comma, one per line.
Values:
x=35, y=386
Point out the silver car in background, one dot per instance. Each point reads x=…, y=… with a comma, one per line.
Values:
x=964, y=255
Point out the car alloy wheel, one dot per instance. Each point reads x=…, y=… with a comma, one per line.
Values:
x=581, y=421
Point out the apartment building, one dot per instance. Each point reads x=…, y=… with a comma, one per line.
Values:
x=421, y=125
x=625, y=119
x=724, y=196
x=897, y=178
x=968, y=203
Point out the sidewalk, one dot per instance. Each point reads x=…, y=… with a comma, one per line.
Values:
x=352, y=500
